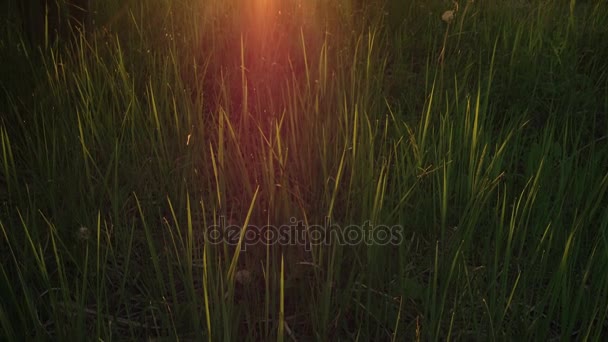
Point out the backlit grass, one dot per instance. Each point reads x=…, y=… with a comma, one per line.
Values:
x=483, y=139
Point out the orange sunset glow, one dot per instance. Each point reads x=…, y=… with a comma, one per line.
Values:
x=272, y=49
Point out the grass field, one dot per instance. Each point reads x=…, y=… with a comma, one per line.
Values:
x=307, y=170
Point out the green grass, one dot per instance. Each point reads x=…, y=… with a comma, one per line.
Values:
x=484, y=139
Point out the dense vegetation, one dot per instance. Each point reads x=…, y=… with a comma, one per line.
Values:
x=481, y=140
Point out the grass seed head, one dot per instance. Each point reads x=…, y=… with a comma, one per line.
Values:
x=448, y=16
x=84, y=233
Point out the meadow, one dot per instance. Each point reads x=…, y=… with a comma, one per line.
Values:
x=306, y=170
